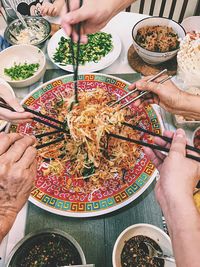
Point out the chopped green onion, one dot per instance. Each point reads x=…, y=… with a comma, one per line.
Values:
x=21, y=71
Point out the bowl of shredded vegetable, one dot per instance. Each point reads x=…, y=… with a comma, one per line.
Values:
x=156, y=39
x=22, y=65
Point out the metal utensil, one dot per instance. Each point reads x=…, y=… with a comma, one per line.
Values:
x=154, y=253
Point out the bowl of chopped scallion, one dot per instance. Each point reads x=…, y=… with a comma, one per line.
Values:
x=22, y=65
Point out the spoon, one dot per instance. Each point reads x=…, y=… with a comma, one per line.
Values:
x=154, y=253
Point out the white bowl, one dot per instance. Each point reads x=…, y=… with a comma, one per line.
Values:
x=8, y=89
x=191, y=24
x=155, y=233
x=150, y=57
x=21, y=54
x=195, y=134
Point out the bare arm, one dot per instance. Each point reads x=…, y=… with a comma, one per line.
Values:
x=94, y=13
x=174, y=192
x=169, y=97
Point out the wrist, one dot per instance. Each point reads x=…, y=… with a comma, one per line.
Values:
x=188, y=106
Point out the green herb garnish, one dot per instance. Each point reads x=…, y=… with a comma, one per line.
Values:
x=21, y=71
x=99, y=45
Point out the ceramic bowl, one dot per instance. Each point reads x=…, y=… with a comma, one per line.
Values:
x=150, y=57
x=8, y=90
x=191, y=24
x=16, y=26
x=155, y=233
x=21, y=54
x=34, y=239
x=196, y=138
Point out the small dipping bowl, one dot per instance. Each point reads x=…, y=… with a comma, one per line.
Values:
x=146, y=230
x=39, y=24
x=33, y=246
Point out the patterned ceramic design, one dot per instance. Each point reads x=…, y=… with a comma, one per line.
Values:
x=50, y=195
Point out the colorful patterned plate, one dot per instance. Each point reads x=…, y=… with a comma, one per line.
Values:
x=48, y=192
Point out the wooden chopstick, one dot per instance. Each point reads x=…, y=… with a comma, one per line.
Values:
x=135, y=90
x=47, y=134
x=143, y=93
x=37, y=113
x=165, y=138
x=75, y=61
x=57, y=140
x=2, y=105
x=152, y=146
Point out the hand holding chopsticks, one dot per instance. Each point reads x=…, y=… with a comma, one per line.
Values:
x=156, y=147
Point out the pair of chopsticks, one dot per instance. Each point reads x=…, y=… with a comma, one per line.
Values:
x=141, y=93
x=152, y=146
x=75, y=58
x=42, y=118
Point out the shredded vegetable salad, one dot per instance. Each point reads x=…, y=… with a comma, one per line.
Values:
x=87, y=152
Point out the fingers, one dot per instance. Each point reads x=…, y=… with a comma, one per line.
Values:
x=14, y=104
x=17, y=150
x=13, y=116
x=7, y=140
x=27, y=158
x=156, y=160
x=178, y=143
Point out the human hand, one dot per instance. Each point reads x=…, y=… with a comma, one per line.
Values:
x=17, y=173
x=178, y=175
x=20, y=115
x=49, y=9
x=167, y=95
x=94, y=15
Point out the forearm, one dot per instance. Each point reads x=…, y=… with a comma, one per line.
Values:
x=183, y=221
x=118, y=5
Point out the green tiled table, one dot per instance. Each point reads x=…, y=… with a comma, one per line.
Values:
x=98, y=235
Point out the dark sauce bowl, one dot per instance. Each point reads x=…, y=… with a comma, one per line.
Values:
x=130, y=244
x=48, y=248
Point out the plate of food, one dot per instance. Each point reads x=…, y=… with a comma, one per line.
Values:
x=89, y=173
x=102, y=49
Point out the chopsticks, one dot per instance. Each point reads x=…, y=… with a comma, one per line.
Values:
x=75, y=60
x=135, y=90
x=40, y=119
x=165, y=138
x=143, y=93
x=152, y=146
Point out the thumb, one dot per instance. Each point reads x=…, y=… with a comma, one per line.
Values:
x=179, y=143
x=148, y=86
x=14, y=104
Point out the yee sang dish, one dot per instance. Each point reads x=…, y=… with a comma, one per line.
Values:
x=87, y=152
x=88, y=158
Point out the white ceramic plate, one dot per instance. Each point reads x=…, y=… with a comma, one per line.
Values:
x=90, y=66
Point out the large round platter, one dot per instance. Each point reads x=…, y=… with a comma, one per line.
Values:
x=104, y=62
x=48, y=192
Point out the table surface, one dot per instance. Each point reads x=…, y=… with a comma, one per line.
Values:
x=95, y=235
